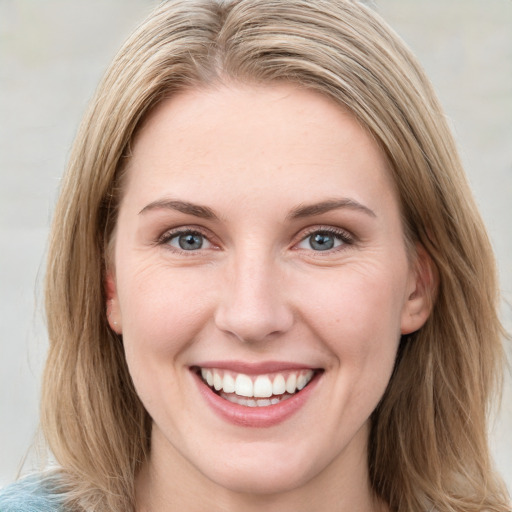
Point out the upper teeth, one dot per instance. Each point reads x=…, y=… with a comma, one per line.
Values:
x=261, y=386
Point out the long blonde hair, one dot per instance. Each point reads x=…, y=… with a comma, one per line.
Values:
x=428, y=445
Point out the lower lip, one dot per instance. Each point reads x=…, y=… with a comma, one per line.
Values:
x=256, y=417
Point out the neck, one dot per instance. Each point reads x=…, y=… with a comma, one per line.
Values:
x=169, y=483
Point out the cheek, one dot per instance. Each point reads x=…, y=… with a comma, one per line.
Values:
x=357, y=314
x=162, y=310
x=359, y=301
x=162, y=313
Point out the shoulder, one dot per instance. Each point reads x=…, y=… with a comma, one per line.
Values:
x=31, y=494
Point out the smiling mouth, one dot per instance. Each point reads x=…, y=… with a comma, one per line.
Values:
x=256, y=390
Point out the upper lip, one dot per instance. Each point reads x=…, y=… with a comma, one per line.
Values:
x=255, y=368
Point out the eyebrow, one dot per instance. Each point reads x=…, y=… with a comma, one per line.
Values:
x=299, y=212
x=181, y=206
x=310, y=210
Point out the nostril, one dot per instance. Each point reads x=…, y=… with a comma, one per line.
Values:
x=254, y=325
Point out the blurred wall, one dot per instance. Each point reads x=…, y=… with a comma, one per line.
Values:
x=53, y=53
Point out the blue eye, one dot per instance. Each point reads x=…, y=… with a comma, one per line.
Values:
x=188, y=241
x=323, y=240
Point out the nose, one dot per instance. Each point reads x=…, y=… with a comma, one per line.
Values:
x=253, y=305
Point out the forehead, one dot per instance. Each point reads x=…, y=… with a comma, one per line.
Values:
x=252, y=138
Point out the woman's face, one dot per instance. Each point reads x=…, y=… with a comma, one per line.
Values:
x=259, y=250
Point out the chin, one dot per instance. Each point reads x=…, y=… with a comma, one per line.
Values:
x=266, y=480
x=267, y=469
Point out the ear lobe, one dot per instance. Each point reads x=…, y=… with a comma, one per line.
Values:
x=113, y=312
x=423, y=286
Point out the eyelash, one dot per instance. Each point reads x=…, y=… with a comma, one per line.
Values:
x=345, y=237
x=164, y=240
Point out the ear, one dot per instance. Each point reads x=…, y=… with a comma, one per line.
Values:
x=112, y=306
x=421, y=291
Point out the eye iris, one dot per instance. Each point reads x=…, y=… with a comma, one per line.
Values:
x=190, y=242
x=321, y=241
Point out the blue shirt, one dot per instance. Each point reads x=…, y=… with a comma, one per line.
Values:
x=31, y=494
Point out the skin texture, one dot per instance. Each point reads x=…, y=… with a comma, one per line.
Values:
x=258, y=291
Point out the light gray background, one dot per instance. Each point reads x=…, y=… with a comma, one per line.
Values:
x=52, y=54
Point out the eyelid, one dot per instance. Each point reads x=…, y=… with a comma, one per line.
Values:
x=345, y=236
x=169, y=234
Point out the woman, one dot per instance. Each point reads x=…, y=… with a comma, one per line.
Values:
x=268, y=287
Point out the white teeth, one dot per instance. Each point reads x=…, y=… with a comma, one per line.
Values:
x=279, y=386
x=253, y=402
x=291, y=383
x=260, y=387
x=229, y=383
x=263, y=387
x=217, y=381
x=243, y=385
x=207, y=376
x=302, y=381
